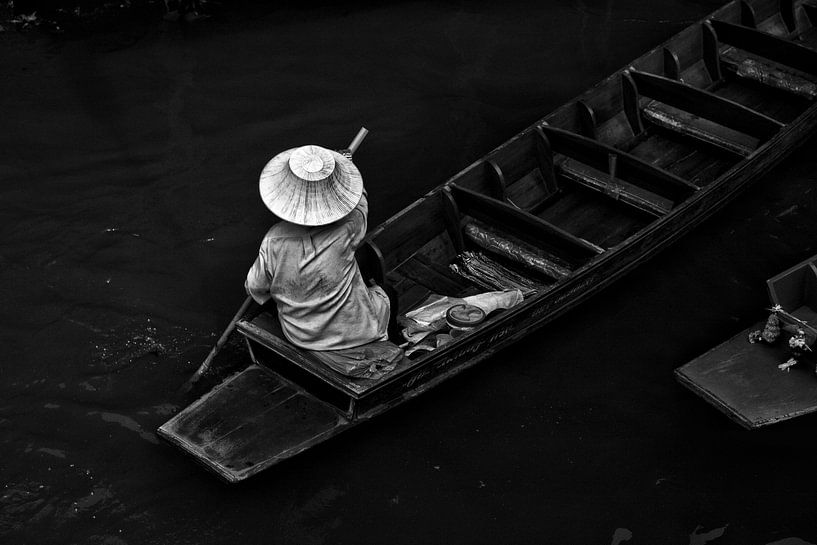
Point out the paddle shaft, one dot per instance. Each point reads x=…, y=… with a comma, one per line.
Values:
x=361, y=134
x=205, y=366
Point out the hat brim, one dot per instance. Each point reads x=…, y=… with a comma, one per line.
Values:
x=310, y=203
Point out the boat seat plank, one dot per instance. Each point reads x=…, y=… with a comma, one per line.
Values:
x=774, y=48
x=705, y=105
x=742, y=380
x=628, y=167
x=700, y=129
x=519, y=223
x=615, y=189
x=265, y=329
x=250, y=422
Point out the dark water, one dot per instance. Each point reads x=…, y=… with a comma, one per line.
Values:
x=130, y=214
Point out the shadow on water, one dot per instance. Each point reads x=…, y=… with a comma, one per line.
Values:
x=130, y=214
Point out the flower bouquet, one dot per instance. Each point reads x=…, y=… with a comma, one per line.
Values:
x=801, y=335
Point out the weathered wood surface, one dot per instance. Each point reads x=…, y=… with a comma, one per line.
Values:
x=705, y=104
x=742, y=380
x=614, y=188
x=265, y=329
x=795, y=287
x=705, y=131
x=250, y=422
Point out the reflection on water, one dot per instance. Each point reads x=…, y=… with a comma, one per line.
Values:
x=130, y=214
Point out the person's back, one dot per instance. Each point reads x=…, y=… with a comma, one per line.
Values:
x=312, y=275
x=307, y=264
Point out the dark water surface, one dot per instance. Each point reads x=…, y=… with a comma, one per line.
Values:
x=129, y=216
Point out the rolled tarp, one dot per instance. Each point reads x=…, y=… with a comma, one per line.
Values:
x=517, y=251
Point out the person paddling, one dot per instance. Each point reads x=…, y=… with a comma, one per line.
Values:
x=306, y=263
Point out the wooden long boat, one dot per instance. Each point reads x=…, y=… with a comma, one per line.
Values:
x=594, y=189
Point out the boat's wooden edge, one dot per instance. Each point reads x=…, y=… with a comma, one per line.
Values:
x=711, y=398
x=770, y=282
x=343, y=384
x=231, y=477
x=715, y=401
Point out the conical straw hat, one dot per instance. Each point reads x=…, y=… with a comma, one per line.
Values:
x=310, y=185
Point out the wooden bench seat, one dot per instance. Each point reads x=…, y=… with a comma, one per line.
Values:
x=697, y=128
x=694, y=112
x=266, y=330
x=616, y=189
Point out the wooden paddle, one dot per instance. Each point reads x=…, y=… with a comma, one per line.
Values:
x=205, y=366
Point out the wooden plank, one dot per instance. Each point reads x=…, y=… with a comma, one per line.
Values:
x=785, y=106
x=529, y=192
x=614, y=188
x=777, y=49
x=275, y=432
x=205, y=426
x=710, y=52
x=524, y=225
x=705, y=104
x=496, y=174
x=703, y=130
x=588, y=119
x=514, y=160
x=250, y=422
x=742, y=380
x=631, y=99
x=591, y=216
x=402, y=234
x=544, y=155
x=630, y=168
x=672, y=64
x=795, y=287
x=453, y=219
x=371, y=262
x=266, y=330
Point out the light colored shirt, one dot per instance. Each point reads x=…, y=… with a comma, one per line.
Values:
x=313, y=277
